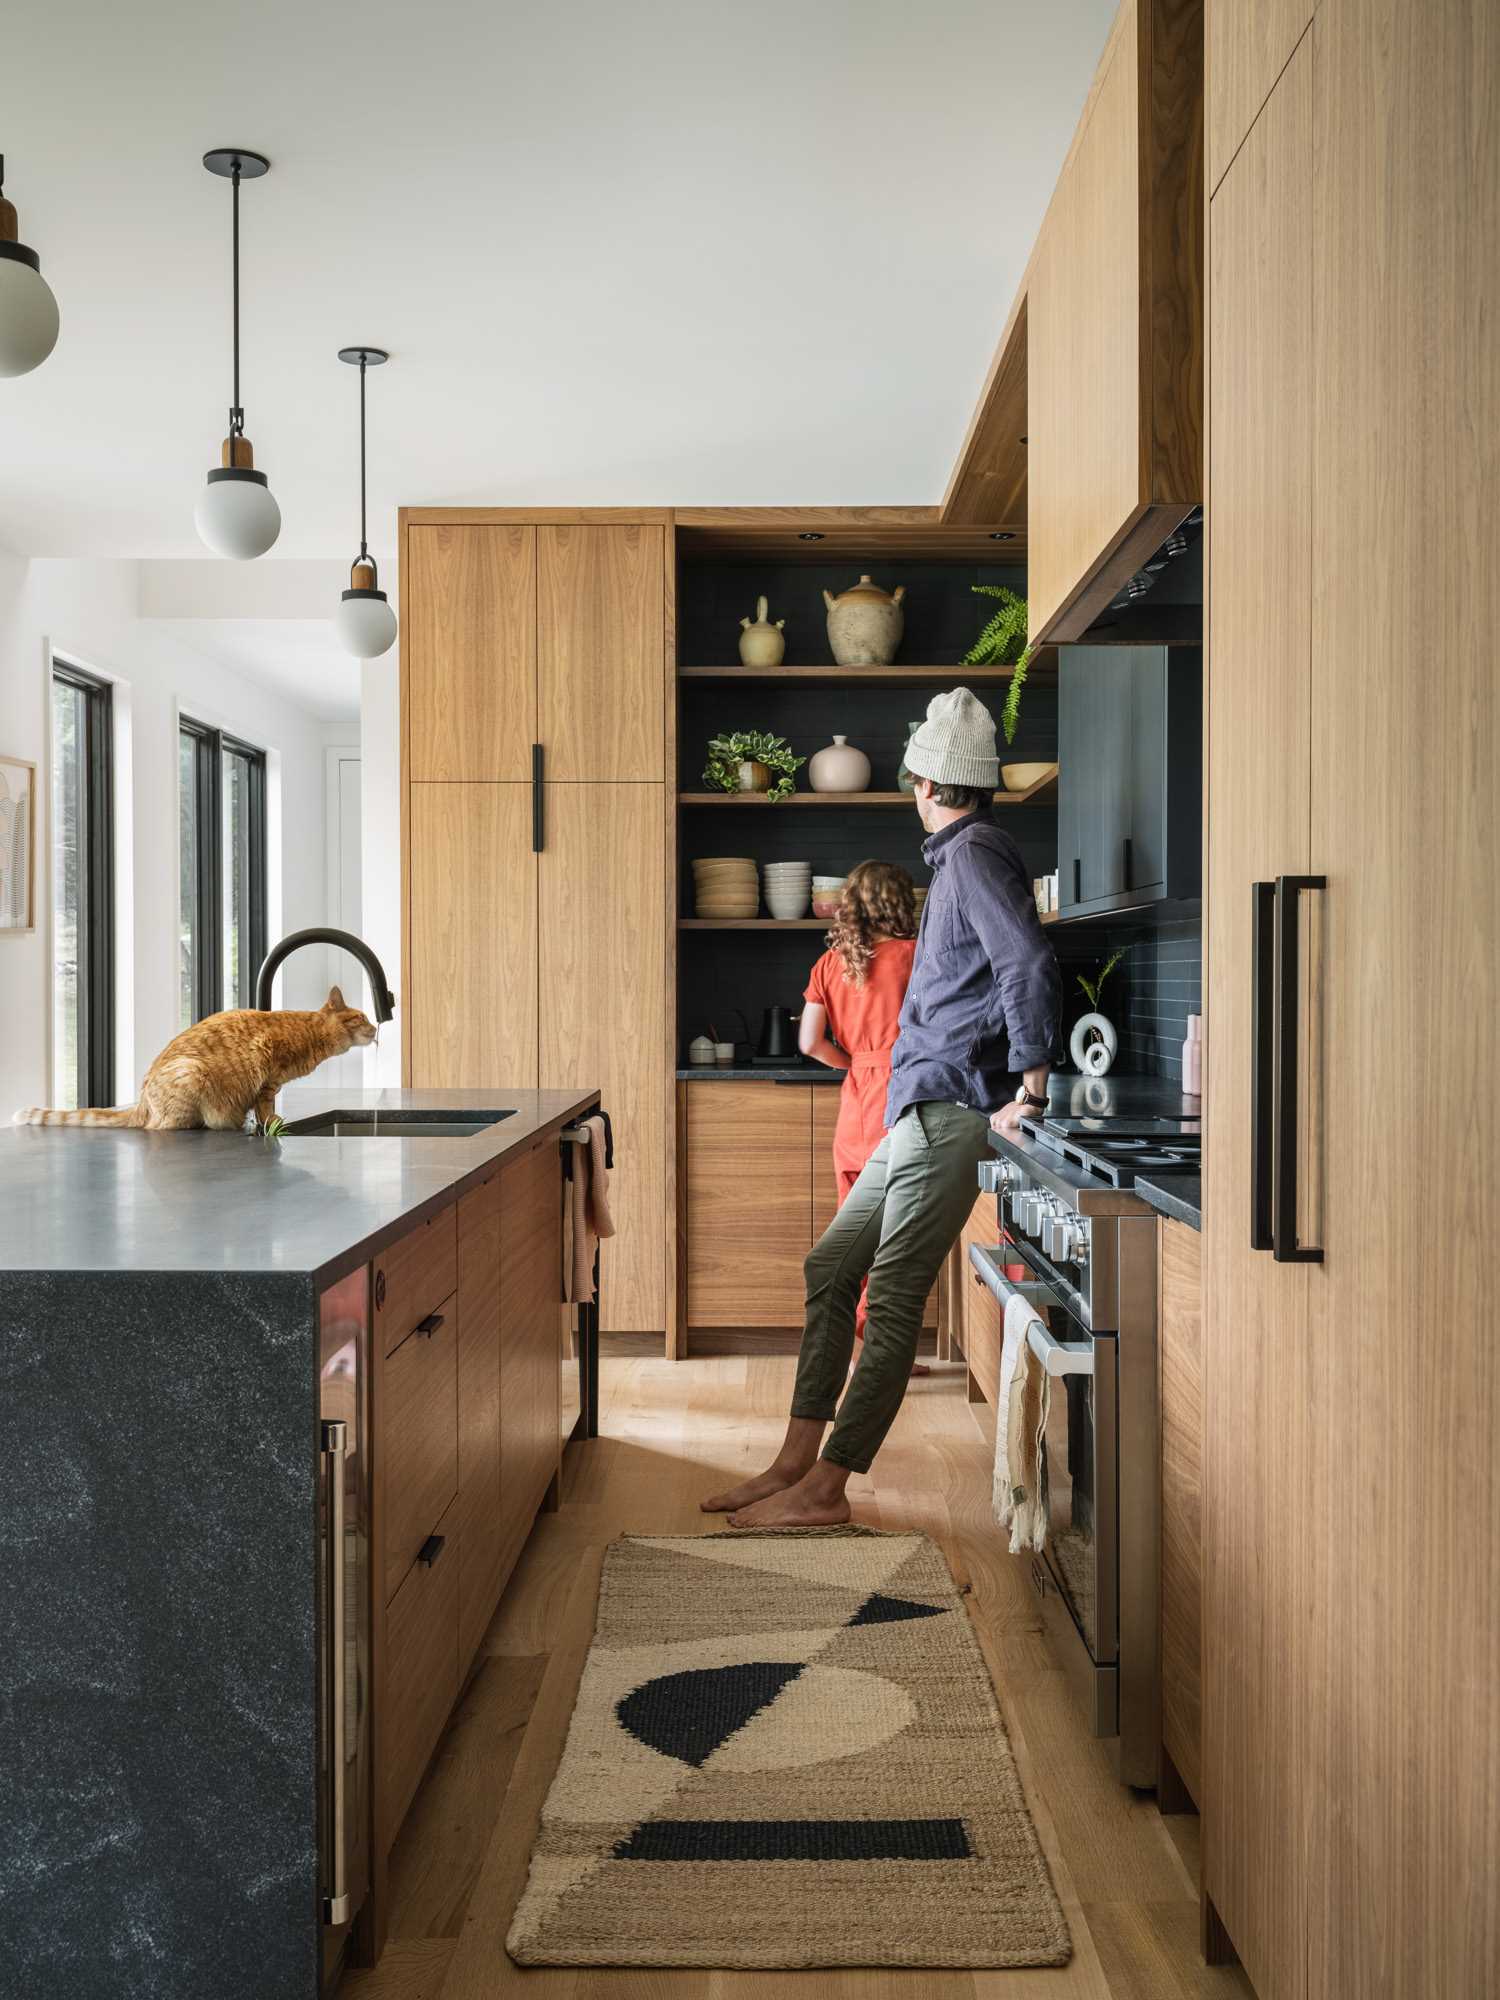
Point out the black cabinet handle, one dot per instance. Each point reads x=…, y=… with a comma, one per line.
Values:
x=428, y=1326
x=431, y=1549
x=1262, y=1042
x=538, y=800
x=1077, y=879
x=1129, y=864
x=1285, y=1247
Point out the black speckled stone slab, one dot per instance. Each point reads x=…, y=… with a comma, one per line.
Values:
x=1179, y=1196
x=761, y=1073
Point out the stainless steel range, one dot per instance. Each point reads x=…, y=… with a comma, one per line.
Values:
x=1081, y=1247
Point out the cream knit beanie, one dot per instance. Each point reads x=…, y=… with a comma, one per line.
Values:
x=956, y=744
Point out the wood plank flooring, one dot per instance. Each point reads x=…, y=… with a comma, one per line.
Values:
x=672, y=1430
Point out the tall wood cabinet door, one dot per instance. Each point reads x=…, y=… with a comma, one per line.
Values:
x=1264, y=1372
x=468, y=609
x=749, y=1194
x=601, y=597
x=530, y=1291
x=603, y=1015
x=1247, y=44
x=1406, y=296
x=471, y=1011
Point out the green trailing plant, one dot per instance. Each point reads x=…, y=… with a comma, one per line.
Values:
x=751, y=746
x=273, y=1127
x=1094, y=987
x=1002, y=643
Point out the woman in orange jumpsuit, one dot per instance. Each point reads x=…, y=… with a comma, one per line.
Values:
x=853, y=1009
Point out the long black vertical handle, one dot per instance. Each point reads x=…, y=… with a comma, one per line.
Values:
x=1077, y=879
x=538, y=801
x=1129, y=863
x=1285, y=1246
x=1262, y=1058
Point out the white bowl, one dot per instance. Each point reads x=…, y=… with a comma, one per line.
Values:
x=787, y=909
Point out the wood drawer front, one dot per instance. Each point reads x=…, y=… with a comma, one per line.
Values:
x=749, y=1191
x=414, y=1275
x=421, y=1678
x=478, y=1412
x=530, y=1338
x=419, y=1437
x=1181, y=1361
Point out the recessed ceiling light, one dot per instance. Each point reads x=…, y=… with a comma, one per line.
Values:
x=809, y=535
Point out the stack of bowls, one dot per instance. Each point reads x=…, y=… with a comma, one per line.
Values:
x=726, y=888
x=827, y=891
x=788, y=887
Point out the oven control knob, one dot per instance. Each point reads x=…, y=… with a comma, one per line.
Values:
x=1056, y=1231
x=995, y=1176
x=1078, y=1243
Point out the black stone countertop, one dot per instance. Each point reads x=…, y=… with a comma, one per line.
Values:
x=1105, y=1097
x=761, y=1073
x=76, y=1199
x=1179, y=1196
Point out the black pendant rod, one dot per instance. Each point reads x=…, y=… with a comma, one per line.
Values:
x=364, y=546
x=236, y=414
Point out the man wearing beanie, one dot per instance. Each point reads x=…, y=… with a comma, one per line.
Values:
x=977, y=1034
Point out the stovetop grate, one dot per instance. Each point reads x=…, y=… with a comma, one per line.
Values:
x=1115, y=1159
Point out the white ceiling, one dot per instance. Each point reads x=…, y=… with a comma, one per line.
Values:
x=689, y=251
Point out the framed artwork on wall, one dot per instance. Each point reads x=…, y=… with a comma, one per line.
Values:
x=17, y=845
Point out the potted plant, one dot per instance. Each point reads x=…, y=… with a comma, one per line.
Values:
x=1003, y=643
x=751, y=760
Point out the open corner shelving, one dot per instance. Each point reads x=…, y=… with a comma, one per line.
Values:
x=1041, y=792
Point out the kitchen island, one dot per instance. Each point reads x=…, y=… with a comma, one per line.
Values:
x=167, y=1484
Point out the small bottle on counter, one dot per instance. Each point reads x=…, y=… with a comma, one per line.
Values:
x=1192, y=1057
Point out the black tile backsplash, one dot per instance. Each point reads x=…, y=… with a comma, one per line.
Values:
x=1148, y=996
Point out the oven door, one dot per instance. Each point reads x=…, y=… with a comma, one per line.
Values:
x=1076, y=1575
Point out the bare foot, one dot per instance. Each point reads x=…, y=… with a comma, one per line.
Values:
x=759, y=1488
x=808, y=1504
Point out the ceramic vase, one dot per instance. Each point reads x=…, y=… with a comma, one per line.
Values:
x=865, y=624
x=1093, y=1044
x=839, y=768
x=761, y=642
x=755, y=776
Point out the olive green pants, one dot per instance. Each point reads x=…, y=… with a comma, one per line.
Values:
x=898, y=1224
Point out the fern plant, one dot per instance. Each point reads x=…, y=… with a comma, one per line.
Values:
x=1002, y=643
x=1094, y=987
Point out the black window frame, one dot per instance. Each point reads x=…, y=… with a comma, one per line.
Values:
x=96, y=939
x=210, y=746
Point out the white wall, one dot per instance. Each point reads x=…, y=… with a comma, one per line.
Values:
x=89, y=612
x=380, y=823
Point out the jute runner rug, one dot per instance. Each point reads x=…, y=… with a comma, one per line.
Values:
x=786, y=1752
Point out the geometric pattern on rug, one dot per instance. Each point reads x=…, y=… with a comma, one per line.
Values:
x=786, y=1752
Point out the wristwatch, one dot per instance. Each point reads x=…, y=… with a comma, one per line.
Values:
x=1032, y=1102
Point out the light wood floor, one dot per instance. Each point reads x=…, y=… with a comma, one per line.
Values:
x=671, y=1431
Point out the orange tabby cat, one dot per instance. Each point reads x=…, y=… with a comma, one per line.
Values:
x=230, y=1064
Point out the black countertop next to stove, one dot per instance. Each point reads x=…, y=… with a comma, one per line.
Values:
x=1178, y=1196
x=1106, y=1097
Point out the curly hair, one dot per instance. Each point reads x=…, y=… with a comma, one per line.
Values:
x=878, y=901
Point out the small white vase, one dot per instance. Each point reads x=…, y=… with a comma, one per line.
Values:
x=1093, y=1044
x=840, y=768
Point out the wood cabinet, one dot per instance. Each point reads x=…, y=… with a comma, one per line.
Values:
x=1180, y=1360
x=1247, y=48
x=748, y=1182
x=536, y=943
x=482, y=1536
x=418, y=1437
x=421, y=1681
x=1351, y=1737
x=1113, y=325
x=979, y=1329
x=825, y=1181
x=1130, y=785
x=530, y=1284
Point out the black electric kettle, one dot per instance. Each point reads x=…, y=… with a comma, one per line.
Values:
x=778, y=1036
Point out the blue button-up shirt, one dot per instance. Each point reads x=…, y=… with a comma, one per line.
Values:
x=985, y=999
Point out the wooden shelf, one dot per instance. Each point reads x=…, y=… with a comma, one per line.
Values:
x=1038, y=794
x=852, y=676
x=1048, y=916
x=753, y=923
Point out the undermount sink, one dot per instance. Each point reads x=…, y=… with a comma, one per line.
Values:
x=403, y=1124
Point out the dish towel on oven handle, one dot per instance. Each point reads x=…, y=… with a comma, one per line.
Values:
x=1020, y=1425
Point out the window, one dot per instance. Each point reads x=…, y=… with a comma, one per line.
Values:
x=221, y=800
x=83, y=955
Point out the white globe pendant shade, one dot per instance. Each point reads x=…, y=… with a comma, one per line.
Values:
x=237, y=514
x=28, y=313
x=365, y=624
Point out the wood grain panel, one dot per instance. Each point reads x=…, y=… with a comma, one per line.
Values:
x=468, y=603
x=418, y=1441
x=530, y=1292
x=472, y=1003
x=825, y=1182
x=1180, y=1354
x=603, y=1018
x=988, y=482
x=980, y=1320
x=749, y=1202
x=601, y=674
x=413, y=1275
x=1265, y=1422
x=1249, y=43
x=421, y=1681
x=479, y=1517
x=1406, y=299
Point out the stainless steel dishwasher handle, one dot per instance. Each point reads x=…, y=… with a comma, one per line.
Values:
x=1058, y=1357
x=335, y=1454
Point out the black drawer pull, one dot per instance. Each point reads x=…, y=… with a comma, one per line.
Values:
x=428, y=1326
x=431, y=1549
x=1077, y=879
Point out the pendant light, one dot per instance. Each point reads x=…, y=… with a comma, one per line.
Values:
x=237, y=513
x=364, y=621
x=28, y=311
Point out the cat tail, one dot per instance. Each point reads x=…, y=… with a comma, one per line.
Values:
x=126, y=1114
